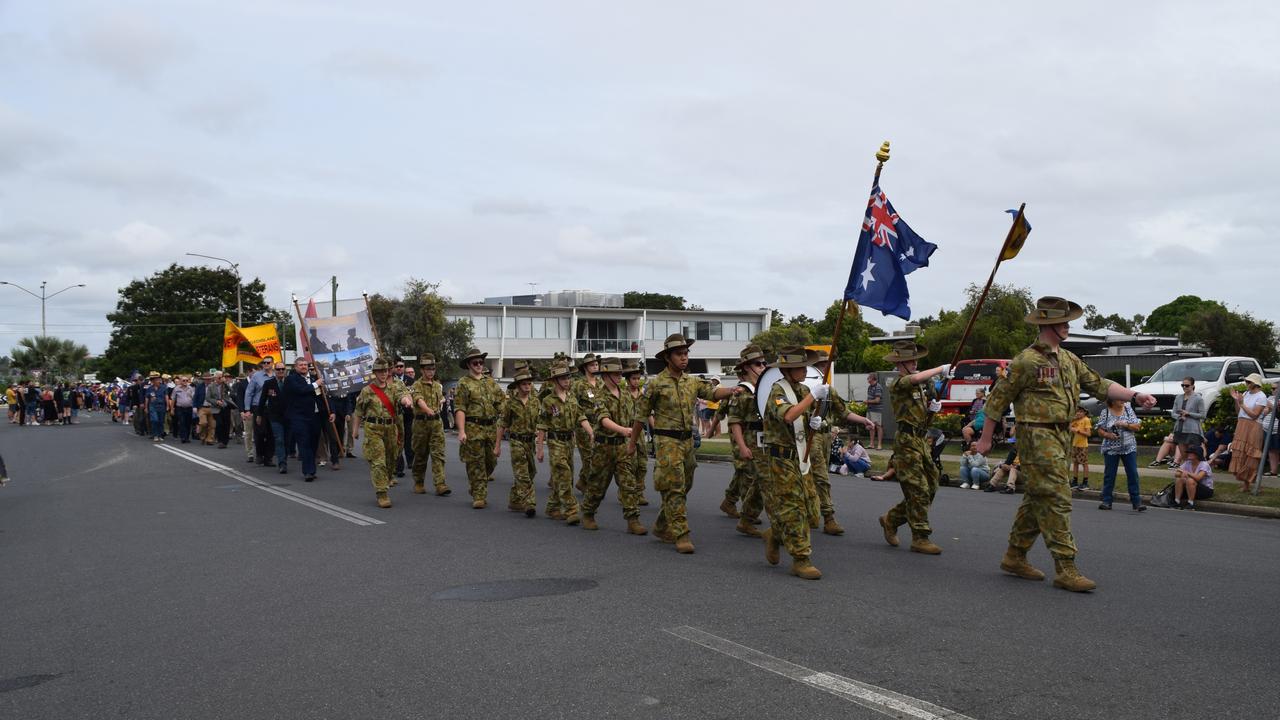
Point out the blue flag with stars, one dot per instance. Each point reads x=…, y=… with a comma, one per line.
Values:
x=888, y=251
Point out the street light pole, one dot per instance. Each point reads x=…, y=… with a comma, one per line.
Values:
x=235, y=268
x=42, y=297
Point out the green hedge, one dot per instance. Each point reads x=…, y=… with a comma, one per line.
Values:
x=949, y=424
x=1153, y=430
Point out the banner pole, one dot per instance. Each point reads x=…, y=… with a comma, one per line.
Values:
x=377, y=340
x=982, y=299
x=324, y=394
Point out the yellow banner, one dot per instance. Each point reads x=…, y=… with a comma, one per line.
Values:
x=831, y=369
x=1017, y=236
x=263, y=338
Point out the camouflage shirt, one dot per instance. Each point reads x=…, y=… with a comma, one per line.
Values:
x=631, y=408
x=587, y=395
x=560, y=415
x=369, y=405
x=742, y=410
x=910, y=403
x=1044, y=385
x=671, y=400
x=776, y=430
x=474, y=398
x=521, y=417
x=611, y=406
x=429, y=392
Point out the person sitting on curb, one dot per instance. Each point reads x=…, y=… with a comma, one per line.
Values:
x=1192, y=481
x=855, y=458
x=1005, y=479
x=974, y=470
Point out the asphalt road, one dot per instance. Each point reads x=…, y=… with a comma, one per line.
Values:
x=135, y=583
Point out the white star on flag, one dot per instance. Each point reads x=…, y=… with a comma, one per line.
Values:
x=866, y=274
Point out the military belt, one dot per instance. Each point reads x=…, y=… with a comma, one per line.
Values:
x=478, y=420
x=379, y=421
x=561, y=435
x=522, y=437
x=677, y=434
x=780, y=451
x=423, y=416
x=610, y=439
x=1051, y=426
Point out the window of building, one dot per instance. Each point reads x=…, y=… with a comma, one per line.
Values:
x=754, y=329
x=539, y=330
x=524, y=327
x=509, y=327
x=492, y=327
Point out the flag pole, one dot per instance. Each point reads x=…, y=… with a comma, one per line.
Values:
x=373, y=326
x=324, y=394
x=973, y=317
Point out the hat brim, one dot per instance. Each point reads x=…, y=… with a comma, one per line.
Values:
x=893, y=356
x=783, y=365
x=464, y=362
x=1074, y=312
x=662, y=354
x=554, y=375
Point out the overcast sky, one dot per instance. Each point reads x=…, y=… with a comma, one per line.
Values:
x=718, y=150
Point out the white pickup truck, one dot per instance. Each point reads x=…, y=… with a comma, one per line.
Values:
x=1211, y=375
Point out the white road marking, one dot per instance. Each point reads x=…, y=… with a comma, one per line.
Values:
x=886, y=702
x=324, y=507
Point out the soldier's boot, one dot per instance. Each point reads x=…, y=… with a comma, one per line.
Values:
x=635, y=528
x=392, y=483
x=419, y=488
x=663, y=536
x=443, y=490
x=922, y=544
x=771, y=547
x=746, y=528
x=479, y=504
x=589, y=522
x=1015, y=562
x=804, y=569
x=643, y=500
x=515, y=507
x=383, y=500
x=684, y=544
x=729, y=508
x=830, y=526
x=555, y=515
x=530, y=511
x=890, y=532
x=572, y=519
x=1068, y=578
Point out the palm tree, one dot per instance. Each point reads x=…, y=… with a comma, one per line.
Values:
x=50, y=355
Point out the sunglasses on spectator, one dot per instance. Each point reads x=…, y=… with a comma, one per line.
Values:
x=400, y=365
x=1187, y=385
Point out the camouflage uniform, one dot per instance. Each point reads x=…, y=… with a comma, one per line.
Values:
x=586, y=395
x=820, y=455
x=381, y=432
x=916, y=473
x=743, y=411
x=785, y=497
x=520, y=424
x=670, y=402
x=558, y=420
x=609, y=459
x=499, y=399
x=474, y=399
x=1044, y=386
x=639, y=466
x=428, y=433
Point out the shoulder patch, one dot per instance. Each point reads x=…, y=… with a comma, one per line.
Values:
x=777, y=401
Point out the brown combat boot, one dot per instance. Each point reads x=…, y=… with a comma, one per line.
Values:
x=663, y=535
x=555, y=515
x=443, y=490
x=890, y=533
x=729, y=509
x=1068, y=578
x=684, y=545
x=383, y=500
x=515, y=507
x=803, y=569
x=393, y=482
x=746, y=528
x=589, y=522
x=770, y=547
x=925, y=546
x=1015, y=562
x=479, y=504
x=635, y=528
x=419, y=488
x=830, y=526
x=572, y=519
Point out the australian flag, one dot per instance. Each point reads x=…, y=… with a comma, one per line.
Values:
x=888, y=251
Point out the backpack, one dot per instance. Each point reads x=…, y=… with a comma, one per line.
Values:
x=1163, y=498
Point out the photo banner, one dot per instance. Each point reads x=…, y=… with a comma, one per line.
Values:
x=341, y=350
x=263, y=339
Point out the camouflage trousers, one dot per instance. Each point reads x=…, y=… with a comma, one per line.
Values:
x=819, y=459
x=428, y=444
x=918, y=478
x=561, y=498
x=1046, y=504
x=611, y=464
x=477, y=455
x=787, y=505
x=585, y=448
x=523, y=469
x=745, y=485
x=379, y=449
x=737, y=483
x=673, y=478
x=639, y=469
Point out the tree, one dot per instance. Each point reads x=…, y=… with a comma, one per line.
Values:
x=1225, y=332
x=854, y=338
x=1000, y=330
x=1170, y=319
x=780, y=336
x=173, y=320
x=652, y=301
x=872, y=358
x=802, y=319
x=415, y=324
x=54, y=357
x=775, y=317
x=1093, y=320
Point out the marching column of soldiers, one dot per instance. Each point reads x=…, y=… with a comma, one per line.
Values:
x=780, y=442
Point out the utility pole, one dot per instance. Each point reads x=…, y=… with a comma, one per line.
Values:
x=334, y=281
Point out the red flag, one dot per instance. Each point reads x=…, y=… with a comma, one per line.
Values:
x=311, y=309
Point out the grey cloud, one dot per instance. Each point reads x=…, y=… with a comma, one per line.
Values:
x=130, y=48
x=23, y=143
x=518, y=208
x=137, y=179
x=379, y=65
x=222, y=115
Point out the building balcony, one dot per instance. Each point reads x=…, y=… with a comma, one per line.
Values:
x=606, y=346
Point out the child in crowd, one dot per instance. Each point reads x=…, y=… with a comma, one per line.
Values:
x=1081, y=429
x=1192, y=481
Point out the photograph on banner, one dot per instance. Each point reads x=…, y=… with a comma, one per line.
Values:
x=342, y=350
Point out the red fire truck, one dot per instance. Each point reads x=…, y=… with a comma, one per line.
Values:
x=970, y=376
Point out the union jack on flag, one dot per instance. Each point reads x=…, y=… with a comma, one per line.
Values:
x=880, y=221
x=888, y=251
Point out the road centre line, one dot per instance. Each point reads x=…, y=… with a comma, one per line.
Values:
x=324, y=507
x=886, y=702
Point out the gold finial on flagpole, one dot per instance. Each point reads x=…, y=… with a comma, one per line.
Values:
x=883, y=154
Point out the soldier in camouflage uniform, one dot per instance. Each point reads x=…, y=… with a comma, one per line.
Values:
x=499, y=399
x=383, y=427
x=832, y=415
x=561, y=416
x=672, y=394
x=519, y=423
x=912, y=463
x=586, y=390
x=786, y=416
x=1044, y=386
x=633, y=399
x=476, y=414
x=428, y=428
x=745, y=427
x=609, y=460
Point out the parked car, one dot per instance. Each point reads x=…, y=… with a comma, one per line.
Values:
x=969, y=377
x=1211, y=374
